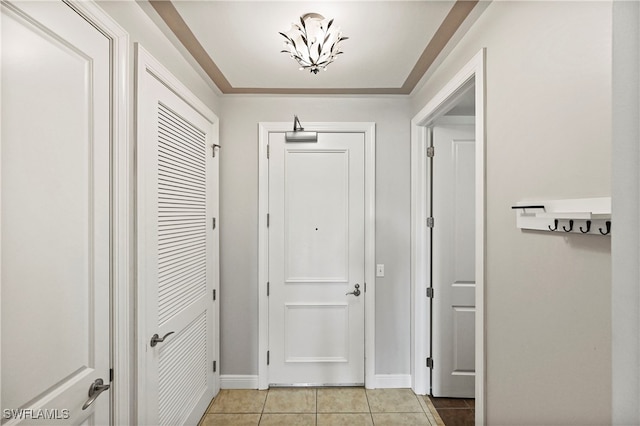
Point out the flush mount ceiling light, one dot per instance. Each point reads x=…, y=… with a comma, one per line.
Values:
x=314, y=43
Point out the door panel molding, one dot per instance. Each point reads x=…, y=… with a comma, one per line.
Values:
x=472, y=72
x=368, y=129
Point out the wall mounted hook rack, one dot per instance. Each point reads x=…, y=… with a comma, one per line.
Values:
x=584, y=215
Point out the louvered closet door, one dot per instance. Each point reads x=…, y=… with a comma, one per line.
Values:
x=176, y=209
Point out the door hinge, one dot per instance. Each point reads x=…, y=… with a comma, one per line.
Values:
x=214, y=223
x=214, y=294
x=267, y=151
x=430, y=292
x=267, y=220
x=267, y=357
x=365, y=287
x=429, y=362
x=267, y=288
x=111, y=374
x=431, y=152
x=430, y=222
x=215, y=366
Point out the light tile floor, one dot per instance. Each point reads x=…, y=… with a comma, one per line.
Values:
x=320, y=406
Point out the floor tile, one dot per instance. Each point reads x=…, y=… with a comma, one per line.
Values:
x=394, y=419
x=344, y=419
x=393, y=401
x=430, y=410
x=288, y=419
x=342, y=400
x=230, y=420
x=239, y=401
x=291, y=401
x=457, y=417
x=449, y=403
x=334, y=406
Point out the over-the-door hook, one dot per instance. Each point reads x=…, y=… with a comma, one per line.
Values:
x=555, y=225
x=608, y=225
x=586, y=231
x=570, y=226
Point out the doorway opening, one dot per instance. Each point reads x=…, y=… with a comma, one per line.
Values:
x=461, y=301
x=451, y=287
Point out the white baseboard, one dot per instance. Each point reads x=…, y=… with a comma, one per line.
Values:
x=382, y=381
x=390, y=381
x=238, y=381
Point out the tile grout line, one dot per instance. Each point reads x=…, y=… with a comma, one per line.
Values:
x=264, y=404
x=366, y=395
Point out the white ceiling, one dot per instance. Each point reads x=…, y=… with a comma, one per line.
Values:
x=391, y=43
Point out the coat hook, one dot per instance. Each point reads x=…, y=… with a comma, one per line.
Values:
x=608, y=225
x=570, y=226
x=555, y=225
x=586, y=231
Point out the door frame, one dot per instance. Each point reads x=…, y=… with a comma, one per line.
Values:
x=368, y=129
x=121, y=334
x=121, y=210
x=145, y=64
x=472, y=73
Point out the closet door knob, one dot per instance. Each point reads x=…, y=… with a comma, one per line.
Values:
x=155, y=339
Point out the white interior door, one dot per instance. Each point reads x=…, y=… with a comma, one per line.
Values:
x=316, y=257
x=177, y=204
x=453, y=263
x=55, y=219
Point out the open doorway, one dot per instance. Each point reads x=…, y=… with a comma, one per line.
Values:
x=452, y=285
x=448, y=229
x=452, y=282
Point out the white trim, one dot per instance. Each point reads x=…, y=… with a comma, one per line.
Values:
x=121, y=210
x=238, y=381
x=393, y=381
x=474, y=71
x=146, y=63
x=625, y=246
x=216, y=256
x=263, y=237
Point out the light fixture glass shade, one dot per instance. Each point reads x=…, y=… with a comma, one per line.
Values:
x=314, y=43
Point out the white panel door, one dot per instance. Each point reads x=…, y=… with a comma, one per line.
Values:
x=55, y=215
x=316, y=257
x=177, y=185
x=453, y=263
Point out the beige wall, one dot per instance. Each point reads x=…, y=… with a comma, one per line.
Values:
x=548, y=135
x=239, y=219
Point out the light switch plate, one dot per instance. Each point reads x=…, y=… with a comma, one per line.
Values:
x=380, y=270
